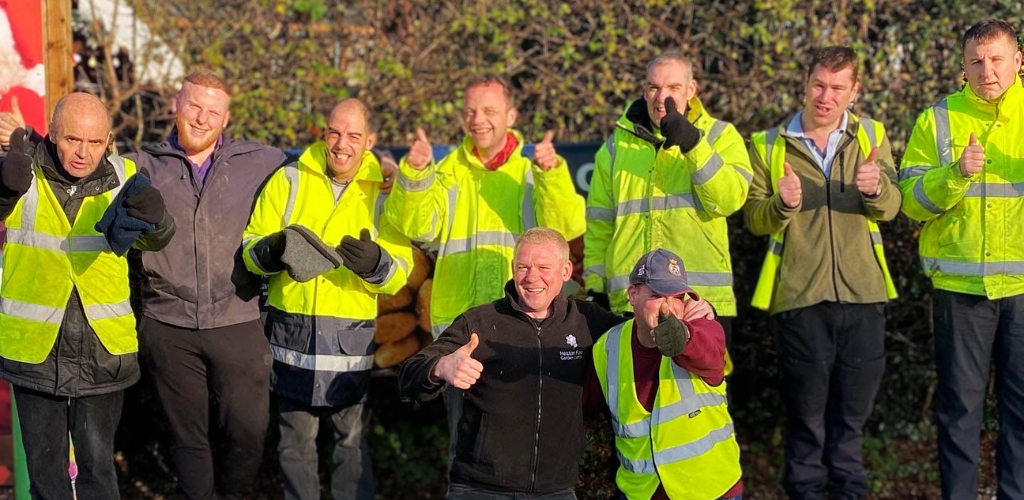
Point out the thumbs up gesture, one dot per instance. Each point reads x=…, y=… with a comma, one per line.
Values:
x=789, y=187
x=9, y=122
x=459, y=368
x=544, y=152
x=869, y=176
x=973, y=158
x=670, y=334
x=421, y=153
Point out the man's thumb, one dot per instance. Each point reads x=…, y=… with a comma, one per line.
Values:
x=873, y=156
x=974, y=139
x=15, y=110
x=663, y=313
x=474, y=341
x=549, y=136
x=670, y=106
x=788, y=169
x=364, y=235
x=421, y=135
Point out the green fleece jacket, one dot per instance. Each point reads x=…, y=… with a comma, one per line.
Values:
x=828, y=254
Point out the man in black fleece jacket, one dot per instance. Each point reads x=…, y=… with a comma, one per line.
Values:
x=512, y=372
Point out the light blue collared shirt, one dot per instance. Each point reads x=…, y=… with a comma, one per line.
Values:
x=822, y=158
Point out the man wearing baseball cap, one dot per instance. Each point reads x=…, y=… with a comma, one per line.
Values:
x=674, y=440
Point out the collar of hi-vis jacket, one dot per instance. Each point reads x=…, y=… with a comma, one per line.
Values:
x=316, y=155
x=1002, y=109
x=474, y=162
x=637, y=120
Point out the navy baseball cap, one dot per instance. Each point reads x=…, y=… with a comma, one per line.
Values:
x=663, y=272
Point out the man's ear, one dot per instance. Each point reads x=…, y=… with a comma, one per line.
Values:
x=227, y=118
x=567, y=271
x=513, y=114
x=371, y=140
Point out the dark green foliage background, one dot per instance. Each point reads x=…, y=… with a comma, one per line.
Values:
x=574, y=67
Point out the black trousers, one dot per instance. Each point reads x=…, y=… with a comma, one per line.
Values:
x=969, y=329
x=231, y=367
x=832, y=358
x=45, y=423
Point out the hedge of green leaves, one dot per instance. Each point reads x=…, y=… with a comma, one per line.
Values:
x=574, y=66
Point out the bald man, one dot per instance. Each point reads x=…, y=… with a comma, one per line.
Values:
x=325, y=207
x=67, y=331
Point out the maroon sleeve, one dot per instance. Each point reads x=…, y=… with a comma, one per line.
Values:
x=593, y=398
x=705, y=352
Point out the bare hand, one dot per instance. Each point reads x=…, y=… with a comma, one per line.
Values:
x=544, y=152
x=10, y=121
x=973, y=158
x=697, y=309
x=459, y=368
x=421, y=153
x=869, y=176
x=789, y=188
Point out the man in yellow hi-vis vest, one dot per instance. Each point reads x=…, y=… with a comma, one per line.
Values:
x=67, y=330
x=963, y=176
x=822, y=179
x=662, y=375
x=310, y=232
x=667, y=177
x=479, y=199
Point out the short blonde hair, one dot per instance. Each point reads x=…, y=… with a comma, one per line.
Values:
x=542, y=235
x=205, y=77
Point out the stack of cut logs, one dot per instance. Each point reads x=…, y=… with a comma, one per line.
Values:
x=403, y=319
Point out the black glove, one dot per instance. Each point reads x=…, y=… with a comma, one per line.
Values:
x=147, y=205
x=671, y=335
x=268, y=252
x=16, y=173
x=600, y=299
x=362, y=255
x=678, y=131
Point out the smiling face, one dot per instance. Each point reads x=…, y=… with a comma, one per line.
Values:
x=670, y=78
x=487, y=116
x=348, y=137
x=991, y=66
x=827, y=94
x=81, y=131
x=539, y=275
x=201, y=114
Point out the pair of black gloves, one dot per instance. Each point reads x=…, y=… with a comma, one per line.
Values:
x=361, y=256
x=16, y=177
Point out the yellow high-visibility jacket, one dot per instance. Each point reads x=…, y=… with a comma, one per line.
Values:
x=476, y=214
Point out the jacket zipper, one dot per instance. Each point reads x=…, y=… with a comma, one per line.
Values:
x=828, y=203
x=540, y=391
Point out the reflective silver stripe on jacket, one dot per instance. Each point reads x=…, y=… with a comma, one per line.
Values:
x=321, y=363
x=922, y=198
x=529, y=218
x=995, y=190
x=33, y=312
x=108, y=311
x=499, y=238
x=906, y=173
x=973, y=268
x=943, y=135
x=621, y=282
x=291, y=172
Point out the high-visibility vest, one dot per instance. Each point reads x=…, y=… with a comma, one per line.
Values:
x=46, y=256
x=771, y=146
x=687, y=443
x=972, y=234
